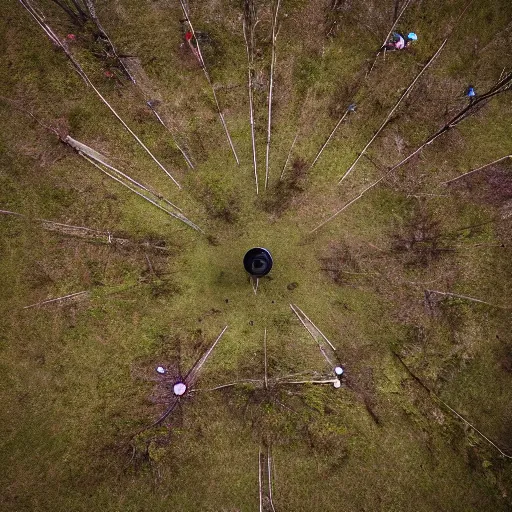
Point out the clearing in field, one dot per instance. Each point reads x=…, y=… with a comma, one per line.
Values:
x=362, y=359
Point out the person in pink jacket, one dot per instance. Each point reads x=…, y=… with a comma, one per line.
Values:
x=398, y=42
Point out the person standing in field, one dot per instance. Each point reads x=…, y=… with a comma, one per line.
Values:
x=470, y=94
x=191, y=41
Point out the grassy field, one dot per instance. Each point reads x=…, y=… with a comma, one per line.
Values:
x=78, y=381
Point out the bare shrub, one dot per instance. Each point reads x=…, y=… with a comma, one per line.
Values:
x=292, y=185
x=340, y=264
x=419, y=238
x=492, y=186
x=506, y=359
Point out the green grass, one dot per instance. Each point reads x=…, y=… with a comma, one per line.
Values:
x=78, y=380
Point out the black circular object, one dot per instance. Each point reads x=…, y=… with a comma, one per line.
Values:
x=258, y=262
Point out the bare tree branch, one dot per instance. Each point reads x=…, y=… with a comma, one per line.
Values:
x=500, y=87
x=392, y=111
x=442, y=402
x=248, y=25
x=271, y=86
x=208, y=79
x=476, y=170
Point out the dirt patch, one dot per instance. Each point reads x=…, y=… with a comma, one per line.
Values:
x=287, y=189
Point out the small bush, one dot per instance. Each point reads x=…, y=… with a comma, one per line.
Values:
x=419, y=239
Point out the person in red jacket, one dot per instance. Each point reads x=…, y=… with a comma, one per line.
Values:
x=189, y=36
x=191, y=40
